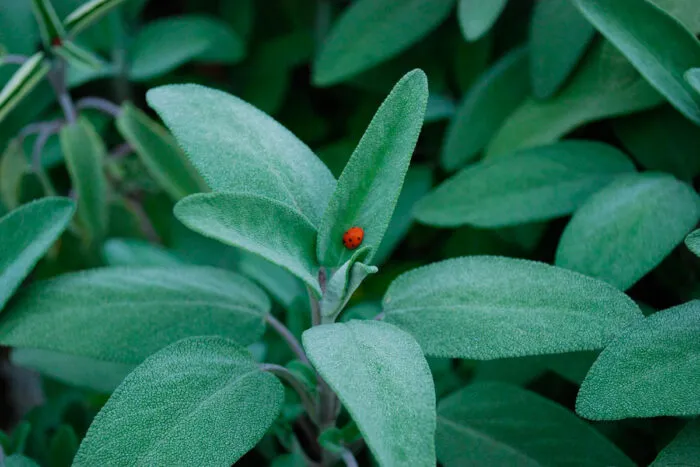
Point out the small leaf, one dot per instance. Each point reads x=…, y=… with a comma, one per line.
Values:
x=26, y=78
x=385, y=384
x=125, y=314
x=370, y=32
x=343, y=283
x=476, y=17
x=651, y=370
x=257, y=224
x=87, y=14
x=498, y=424
x=692, y=76
x=626, y=229
x=27, y=233
x=80, y=57
x=492, y=98
x=200, y=401
x=369, y=187
x=229, y=141
x=132, y=252
x=50, y=27
x=13, y=167
x=559, y=36
x=486, y=307
x=692, y=241
x=634, y=27
x=529, y=185
x=684, y=450
x=85, y=153
x=63, y=446
x=160, y=153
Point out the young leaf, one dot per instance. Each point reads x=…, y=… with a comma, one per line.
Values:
x=200, y=401
x=626, y=229
x=692, y=76
x=160, y=153
x=85, y=153
x=80, y=57
x=87, y=14
x=634, y=27
x=343, y=283
x=229, y=141
x=27, y=233
x=486, y=307
x=50, y=27
x=683, y=450
x=371, y=182
x=63, y=446
x=692, y=241
x=256, y=224
x=529, y=185
x=132, y=252
x=476, y=17
x=26, y=78
x=125, y=314
x=651, y=370
x=385, y=384
x=494, y=96
x=559, y=35
x=498, y=424
x=13, y=167
x=370, y=32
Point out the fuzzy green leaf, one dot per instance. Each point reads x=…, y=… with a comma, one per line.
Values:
x=385, y=384
x=369, y=187
x=85, y=154
x=559, y=36
x=626, y=229
x=498, y=424
x=200, y=401
x=684, y=450
x=257, y=224
x=88, y=14
x=160, y=153
x=27, y=233
x=476, y=17
x=50, y=27
x=233, y=145
x=692, y=76
x=370, y=32
x=343, y=283
x=26, y=78
x=132, y=252
x=529, y=185
x=13, y=167
x=653, y=369
x=634, y=27
x=486, y=307
x=18, y=460
x=494, y=96
x=125, y=314
x=692, y=241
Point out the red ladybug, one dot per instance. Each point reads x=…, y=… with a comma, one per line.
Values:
x=353, y=237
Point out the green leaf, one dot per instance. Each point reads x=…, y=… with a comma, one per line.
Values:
x=50, y=27
x=125, y=314
x=80, y=57
x=18, y=460
x=476, y=17
x=13, y=167
x=559, y=36
x=63, y=446
x=85, y=154
x=634, y=27
x=692, y=241
x=200, y=401
x=369, y=187
x=343, y=283
x=228, y=141
x=284, y=288
x=370, y=32
x=529, y=185
x=684, y=450
x=486, y=307
x=132, y=252
x=651, y=370
x=88, y=14
x=27, y=233
x=692, y=76
x=159, y=152
x=385, y=384
x=256, y=224
x=165, y=44
x=626, y=229
x=498, y=424
x=494, y=96
x=25, y=79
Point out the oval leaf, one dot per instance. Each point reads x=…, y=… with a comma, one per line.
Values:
x=684, y=450
x=486, y=307
x=651, y=370
x=125, y=314
x=625, y=230
x=13, y=167
x=477, y=16
x=371, y=182
x=132, y=252
x=200, y=401
x=385, y=384
x=27, y=233
x=530, y=185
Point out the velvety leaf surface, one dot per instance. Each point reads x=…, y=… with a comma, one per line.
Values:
x=132, y=252
x=692, y=241
x=200, y=401
x=125, y=314
x=13, y=167
x=653, y=369
x=684, y=450
x=381, y=377
x=477, y=16
x=371, y=182
x=27, y=233
x=499, y=424
x=529, y=185
x=343, y=283
x=486, y=307
x=626, y=229
x=692, y=76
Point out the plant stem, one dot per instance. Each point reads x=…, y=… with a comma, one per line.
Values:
x=379, y=317
x=97, y=103
x=306, y=398
x=348, y=458
x=315, y=308
x=120, y=57
x=144, y=221
x=288, y=337
x=121, y=151
x=13, y=59
x=57, y=78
